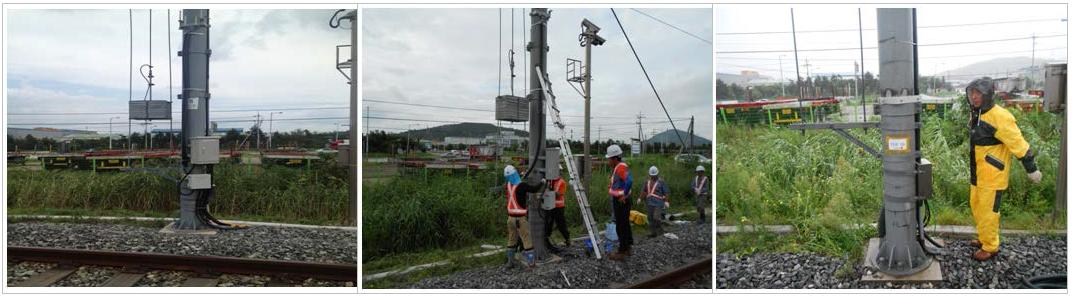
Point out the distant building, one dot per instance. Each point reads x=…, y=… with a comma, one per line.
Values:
x=462, y=140
x=506, y=138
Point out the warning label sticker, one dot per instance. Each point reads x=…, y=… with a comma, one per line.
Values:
x=192, y=103
x=897, y=144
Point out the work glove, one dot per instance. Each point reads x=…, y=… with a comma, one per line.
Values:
x=666, y=204
x=1035, y=177
x=638, y=201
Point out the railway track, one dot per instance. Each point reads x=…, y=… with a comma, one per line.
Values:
x=674, y=278
x=206, y=269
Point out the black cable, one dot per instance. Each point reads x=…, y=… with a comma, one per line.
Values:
x=671, y=26
x=682, y=140
x=335, y=20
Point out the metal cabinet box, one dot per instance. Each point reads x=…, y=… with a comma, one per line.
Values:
x=924, y=178
x=343, y=158
x=199, y=181
x=1056, y=87
x=205, y=150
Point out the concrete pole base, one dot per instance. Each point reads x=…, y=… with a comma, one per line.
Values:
x=171, y=229
x=933, y=273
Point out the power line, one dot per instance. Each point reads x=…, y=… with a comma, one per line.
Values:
x=176, y=112
x=671, y=26
x=221, y=121
x=873, y=48
x=645, y=71
x=428, y=105
x=872, y=29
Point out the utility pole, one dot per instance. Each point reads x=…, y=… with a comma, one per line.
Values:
x=258, y=126
x=589, y=37
x=1032, y=57
x=270, y=128
x=200, y=150
x=537, y=49
x=368, y=131
x=863, y=84
x=640, y=128
x=110, y=132
x=796, y=61
x=781, y=72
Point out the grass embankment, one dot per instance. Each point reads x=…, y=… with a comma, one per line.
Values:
x=819, y=181
x=423, y=218
x=317, y=195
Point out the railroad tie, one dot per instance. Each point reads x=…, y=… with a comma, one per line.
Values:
x=200, y=282
x=123, y=279
x=46, y=278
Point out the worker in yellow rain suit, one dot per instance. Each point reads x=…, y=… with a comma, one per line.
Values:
x=994, y=137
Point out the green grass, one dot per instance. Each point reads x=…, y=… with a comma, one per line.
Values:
x=429, y=211
x=819, y=181
x=314, y=196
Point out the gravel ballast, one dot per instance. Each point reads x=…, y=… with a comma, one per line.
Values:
x=1020, y=257
x=260, y=242
x=651, y=256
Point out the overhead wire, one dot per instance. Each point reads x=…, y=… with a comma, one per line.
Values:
x=650, y=83
x=672, y=26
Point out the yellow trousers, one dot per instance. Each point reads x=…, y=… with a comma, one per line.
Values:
x=985, y=205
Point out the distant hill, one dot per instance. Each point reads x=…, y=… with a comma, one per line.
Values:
x=669, y=136
x=460, y=130
x=740, y=80
x=995, y=68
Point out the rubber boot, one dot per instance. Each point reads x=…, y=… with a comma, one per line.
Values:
x=510, y=258
x=530, y=258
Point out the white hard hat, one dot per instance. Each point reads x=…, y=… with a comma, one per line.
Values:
x=699, y=168
x=653, y=171
x=614, y=151
x=509, y=170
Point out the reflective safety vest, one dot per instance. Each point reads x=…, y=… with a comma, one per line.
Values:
x=610, y=186
x=700, y=183
x=651, y=190
x=560, y=193
x=512, y=208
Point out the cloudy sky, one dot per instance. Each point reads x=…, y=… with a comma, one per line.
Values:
x=77, y=61
x=450, y=57
x=938, y=24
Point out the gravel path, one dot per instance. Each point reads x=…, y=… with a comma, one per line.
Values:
x=650, y=256
x=262, y=242
x=1020, y=257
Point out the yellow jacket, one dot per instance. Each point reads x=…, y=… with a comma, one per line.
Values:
x=994, y=137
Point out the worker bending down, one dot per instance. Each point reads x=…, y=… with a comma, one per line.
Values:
x=657, y=201
x=618, y=189
x=993, y=137
x=517, y=224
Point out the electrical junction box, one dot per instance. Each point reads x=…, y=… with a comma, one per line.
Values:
x=1056, y=87
x=199, y=181
x=924, y=177
x=552, y=163
x=205, y=150
x=343, y=158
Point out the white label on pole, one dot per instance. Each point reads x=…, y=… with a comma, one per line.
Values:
x=191, y=103
x=897, y=144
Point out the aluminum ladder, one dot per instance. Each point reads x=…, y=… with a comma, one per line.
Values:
x=571, y=166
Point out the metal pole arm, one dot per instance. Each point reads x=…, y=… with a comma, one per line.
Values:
x=813, y=126
x=840, y=129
